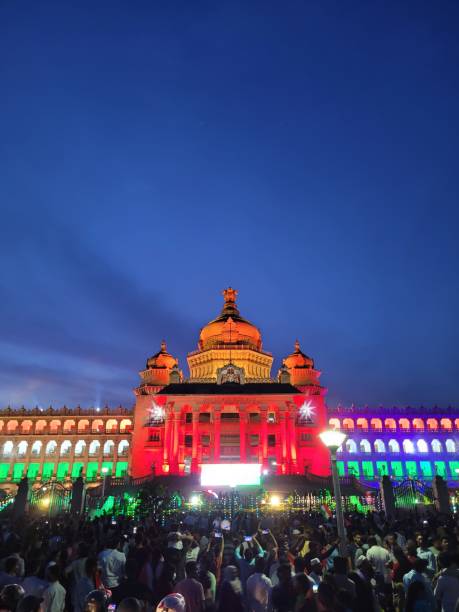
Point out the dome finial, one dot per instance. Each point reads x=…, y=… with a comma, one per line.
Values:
x=163, y=346
x=230, y=295
x=297, y=346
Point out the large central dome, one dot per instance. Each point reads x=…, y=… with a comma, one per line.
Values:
x=230, y=340
x=229, y=328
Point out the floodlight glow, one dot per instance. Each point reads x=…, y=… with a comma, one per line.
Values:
x=275, y=501
x=265, y=472
x=195, y=500
x=45, y=502
x=230, y=474
x=332, y=438
x=307, y=410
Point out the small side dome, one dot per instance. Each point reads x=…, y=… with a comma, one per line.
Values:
x=162, y=359
x=298, y=359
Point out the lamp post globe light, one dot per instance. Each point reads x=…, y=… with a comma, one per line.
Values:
x=333, y=440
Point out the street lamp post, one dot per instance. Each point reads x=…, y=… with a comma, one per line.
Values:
x=333, y=440
x=104, y=479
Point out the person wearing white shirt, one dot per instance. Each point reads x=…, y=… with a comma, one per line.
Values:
x=258, y=589
x=112, y=562
x=379, y=558
x=54, y=594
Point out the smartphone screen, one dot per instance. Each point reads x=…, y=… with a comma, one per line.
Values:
x=265, y=531
x=248, y=538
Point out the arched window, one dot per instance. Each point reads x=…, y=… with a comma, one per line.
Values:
x=40, y=426
x=408, y=447
x=362, y=423
x=334, y=424
x=51, y=447
x=422, y=446
x=394, y=446
x=8, y=448
x=83, y=425
x=54, y=426
x=123, y=447
x=432, y=424
x=418, y=424
x=108, y=448
x=390, y=424
x=376, y=424
x=348, y=424
x=380, y=447
x=111, y=426
x=125, y=425
x=404, y=424
x=22, y=448
x=36, y=448
x=456, y=423
x=97, y=426
x=80, y=447
x=436, y=446
x=94, y=448
x=446, y=424
x=450, y=446
x=351, y=446
x=365, y=446
x=26, y=426
x=66, y=447
x=2, y=425
x=69, y=426
x=12, y=426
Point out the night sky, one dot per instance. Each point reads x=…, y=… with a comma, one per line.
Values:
x=154, y=152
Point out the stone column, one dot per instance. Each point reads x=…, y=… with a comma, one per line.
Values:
x=167, y=435
x=283, y=434
x=292, y=444
x=264, y=435
x=242, y=435
x=175, y=440
x=194, y=450
x=217, y=422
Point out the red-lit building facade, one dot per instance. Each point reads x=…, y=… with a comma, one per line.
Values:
x=229, y=409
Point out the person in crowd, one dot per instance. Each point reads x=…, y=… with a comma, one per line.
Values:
x=130, y=604
x=84, y=585
x=231, y=596
x=316, y=573
x=341, y=580
x=259, y=588
x=418, y=599
x=424, y=552
x=10, y=597
x=11, y=573
x=112, y=561
x=32, y=583
x=131, y=587
x=29, y=603
x=283, y=595
x=54, y=594
x=192, y=589
x=447, y=585
x=304, y=602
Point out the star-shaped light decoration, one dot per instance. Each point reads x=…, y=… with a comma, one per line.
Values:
x=156, y=412
x=307, y=411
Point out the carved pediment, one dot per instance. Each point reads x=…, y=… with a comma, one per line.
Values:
x=230, y=374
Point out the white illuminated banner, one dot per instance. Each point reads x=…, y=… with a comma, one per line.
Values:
x=230, y=474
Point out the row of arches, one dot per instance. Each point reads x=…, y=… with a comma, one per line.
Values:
x=52, y=448
x=41, y=426
x=404, y=424
x=393, y=446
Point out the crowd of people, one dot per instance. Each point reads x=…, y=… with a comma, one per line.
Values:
x=198, y=561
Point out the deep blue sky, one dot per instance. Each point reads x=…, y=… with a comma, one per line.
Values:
x=154, y=152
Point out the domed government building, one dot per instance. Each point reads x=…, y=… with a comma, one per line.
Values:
x=231, y=414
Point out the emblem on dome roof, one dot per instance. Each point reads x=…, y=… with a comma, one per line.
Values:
x=230, y=374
